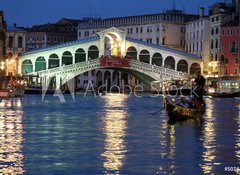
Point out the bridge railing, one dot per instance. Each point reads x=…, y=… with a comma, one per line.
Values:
x=159, y=69
x=69, y=67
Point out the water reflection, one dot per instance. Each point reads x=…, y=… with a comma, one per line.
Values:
x=237, y=146
x=114, y=126
x=11, y=130
x=209, y=140
x=168, y=147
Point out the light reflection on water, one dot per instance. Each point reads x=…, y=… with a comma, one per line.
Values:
x=11, y=130
x=237, y=146
x=167, y=142
x=209, y=142
x=115, y=135
x=114, y=129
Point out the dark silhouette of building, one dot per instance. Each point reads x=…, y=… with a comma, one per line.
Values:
x=40, y=36
x=2, y=37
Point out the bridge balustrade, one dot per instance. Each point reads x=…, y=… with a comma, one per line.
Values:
x=114, y=62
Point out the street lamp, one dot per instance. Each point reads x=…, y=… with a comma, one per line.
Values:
x=2, y=65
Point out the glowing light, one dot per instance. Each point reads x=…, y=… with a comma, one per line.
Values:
x=11, y=139
x=209, y=141
x=211, y=90
x=114, y=129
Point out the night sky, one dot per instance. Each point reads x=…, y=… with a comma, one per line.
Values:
x=31, y=12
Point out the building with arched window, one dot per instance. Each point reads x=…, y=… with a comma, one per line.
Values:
x=198, y=34
x=220, y=14
x=40, y=36
x=230, y=47
x=16, y=41
x=153, y=28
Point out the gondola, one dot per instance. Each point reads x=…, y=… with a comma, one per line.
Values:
x=178, y=112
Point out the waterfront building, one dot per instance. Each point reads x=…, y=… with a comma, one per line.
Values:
x=166, y=28
x=230, y=47
x=41, y=36
x=162, y=29
x=2, y=38
x=198, y=38
x=16, y=46
x=220, y=14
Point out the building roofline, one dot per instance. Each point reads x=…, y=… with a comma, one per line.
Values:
x=57, y=46
x=179, y=52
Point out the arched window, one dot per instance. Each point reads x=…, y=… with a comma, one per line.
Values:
x=195, y=67
x=144, y=56
x=216, y=44
x=211, y=44
x=93, y=52
x=40, y=64
x=53, y=61
x=67, y=58
x=157, y=59
x=27, y=67
x=10, y=42
x=20, y=42
x=216, y=31
x=80, y=56
x=169, y=63
x=132, y=53
x=212, y=31
x=182, y=66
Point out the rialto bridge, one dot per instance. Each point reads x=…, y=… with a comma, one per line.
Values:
x=145, y=61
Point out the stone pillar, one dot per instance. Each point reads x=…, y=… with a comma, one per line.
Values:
x=138, y=53
x=176, y=62
x=189, y=66
x=101, y=44
x=58, y=83
x=60, y=61
x=150, y=59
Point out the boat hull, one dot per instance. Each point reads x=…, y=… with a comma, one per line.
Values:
x=225, y=95
x=177, y=112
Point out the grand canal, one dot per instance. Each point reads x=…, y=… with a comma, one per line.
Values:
x=115, y=134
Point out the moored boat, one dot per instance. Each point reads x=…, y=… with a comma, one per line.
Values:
x=177, y=111
x=223, y=88
x=4, y=93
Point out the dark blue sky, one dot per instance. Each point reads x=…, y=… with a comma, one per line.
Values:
x=31, y=12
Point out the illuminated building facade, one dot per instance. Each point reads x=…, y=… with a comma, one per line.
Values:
x=41, y=36
x=166, y=28
x=16, y=41
x=197, y=38
x=230, y=47
x=220, y=14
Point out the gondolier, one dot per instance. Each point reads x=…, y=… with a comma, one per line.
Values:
x=199, y=86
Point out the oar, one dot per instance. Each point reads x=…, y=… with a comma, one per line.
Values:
x=157, y=111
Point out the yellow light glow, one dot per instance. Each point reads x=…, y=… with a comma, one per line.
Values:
x=114, y=126
x=11, y=139
x=209, y=140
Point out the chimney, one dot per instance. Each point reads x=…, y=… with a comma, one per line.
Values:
x=14, y=25
x=202, y=12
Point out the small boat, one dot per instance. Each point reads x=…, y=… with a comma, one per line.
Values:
x=225, y=95
x=5, y=93
x=223, y=88
x=179, y=112
x=11, y=93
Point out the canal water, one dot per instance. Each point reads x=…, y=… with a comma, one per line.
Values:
x=115, y=134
